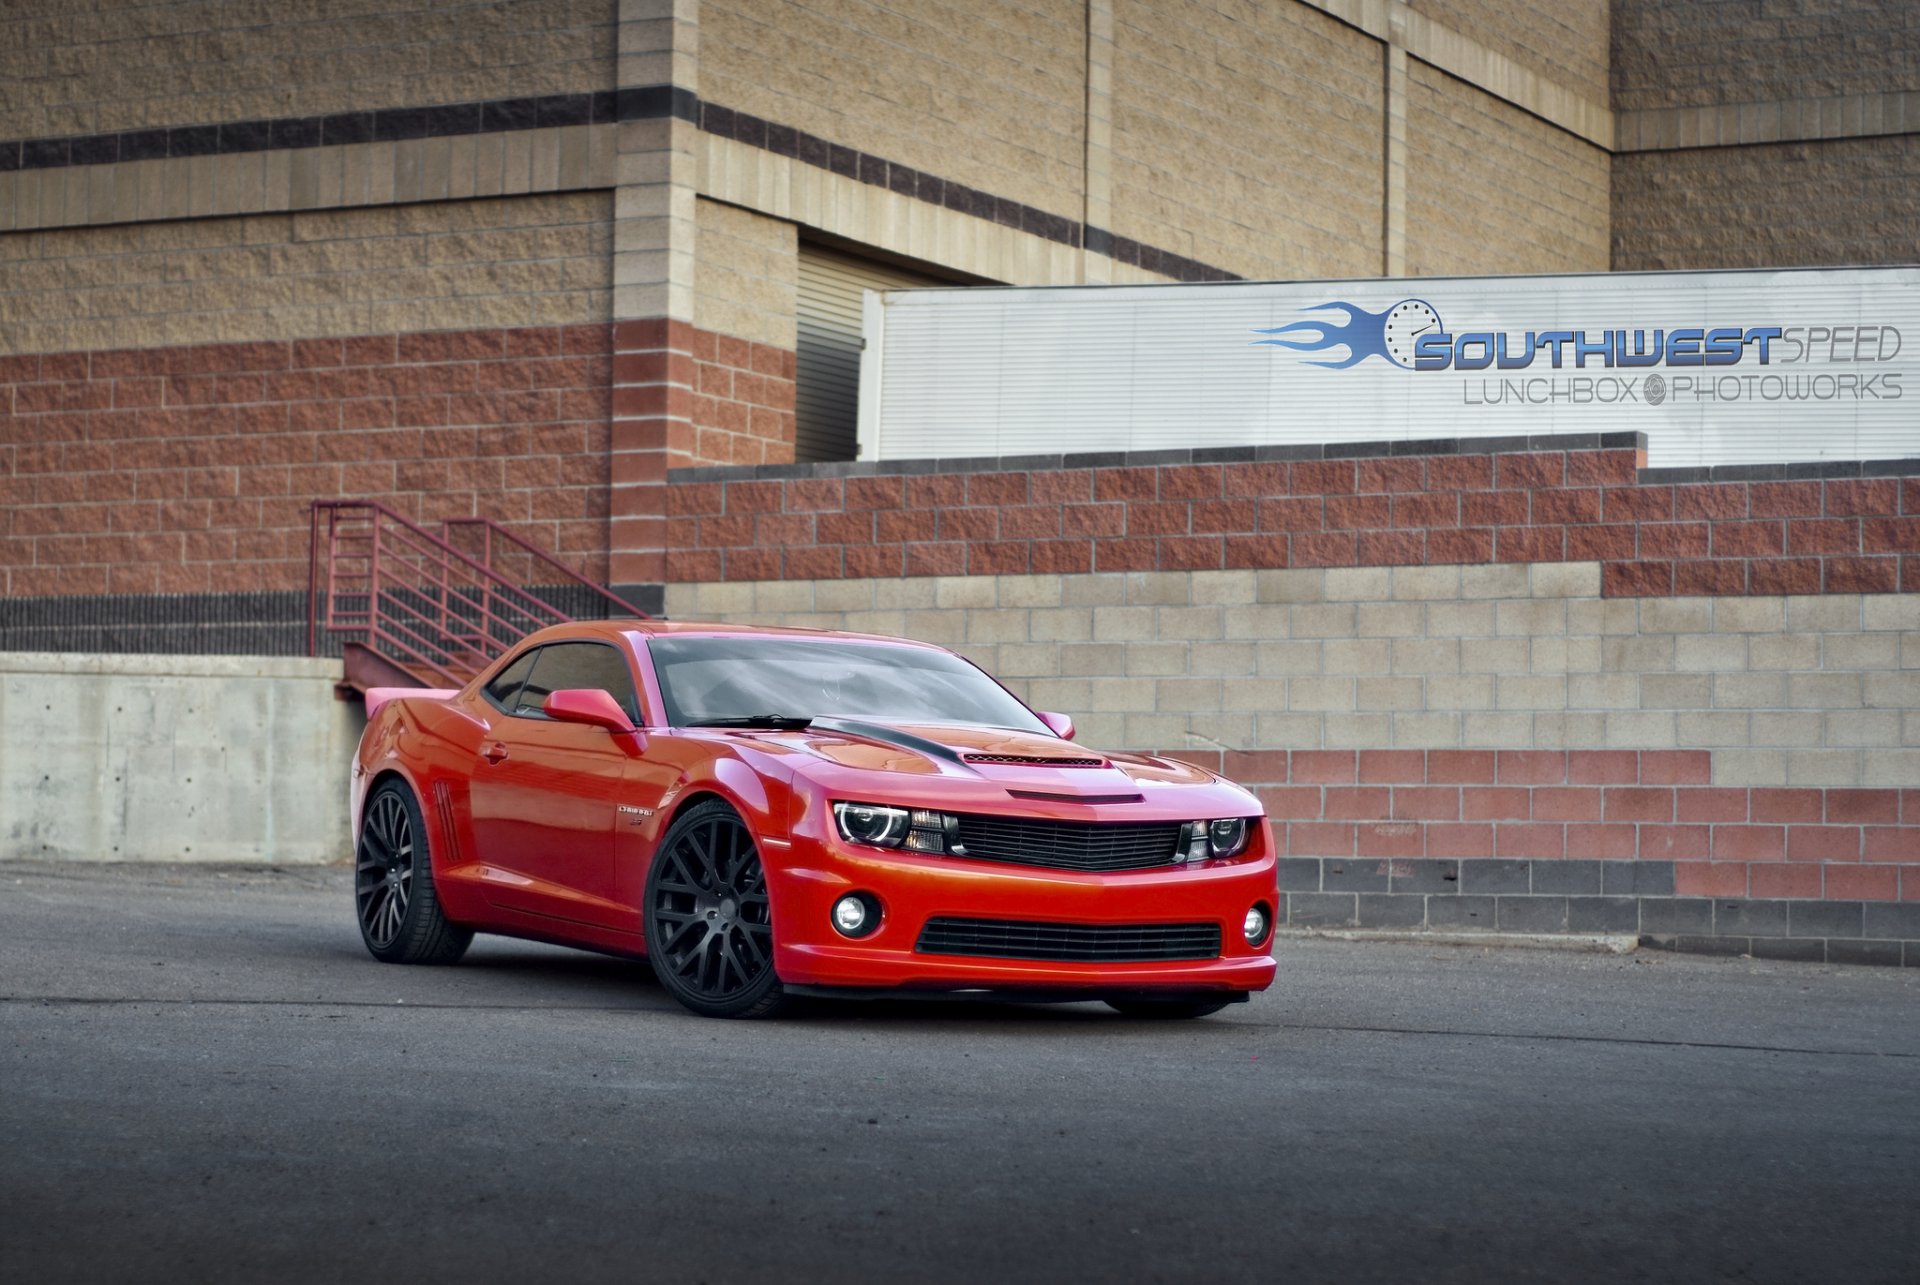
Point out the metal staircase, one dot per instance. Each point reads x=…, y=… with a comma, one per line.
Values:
x=406, y=607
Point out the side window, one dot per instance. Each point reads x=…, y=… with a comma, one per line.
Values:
x=572, y=665
x=505, y=687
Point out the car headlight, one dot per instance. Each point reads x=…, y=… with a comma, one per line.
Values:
x=1225, y=837
x=916, y=829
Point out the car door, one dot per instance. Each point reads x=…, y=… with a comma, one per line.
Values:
x=545, y=794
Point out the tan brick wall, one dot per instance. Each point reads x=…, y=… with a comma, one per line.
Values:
x=456, y=167
x=1565, y=42
x=990, y=93
x=451, y=265
x=1784, y=690
x=90, y=66
x=1696, y=53
x=745, y=274
x=1248, y=136
x=1491, y=189
x=1842, y=201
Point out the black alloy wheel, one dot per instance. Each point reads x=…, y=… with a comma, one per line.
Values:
x=709, y=921
x=393, y=893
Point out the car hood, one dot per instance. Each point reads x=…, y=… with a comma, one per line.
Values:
x=1023, y=763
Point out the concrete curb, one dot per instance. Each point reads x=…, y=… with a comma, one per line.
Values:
x=1585, y=943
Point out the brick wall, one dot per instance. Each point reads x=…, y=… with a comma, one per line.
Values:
x=1537, y=689
x=1492, y=189
x=1672, y=531
x=1854, y=200
x=188, y=469
x=1565, y=43
x=1674, y=53
x=373, y=270
x=1595, y=841
x=743, y=340
x=1248, y=137
x=992, y=95
x=133, y=64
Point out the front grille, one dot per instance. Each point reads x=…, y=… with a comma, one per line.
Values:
x=1079, y=943
x=1033, y=760
x=1070, y=845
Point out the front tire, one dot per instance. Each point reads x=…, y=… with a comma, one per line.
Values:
x=709, y=922
x=393, y=894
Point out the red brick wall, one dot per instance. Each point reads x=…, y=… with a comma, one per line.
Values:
x=1611, y=805
x=684, y=396
x=1837, y=536
x=189, y=469
x=742, y=409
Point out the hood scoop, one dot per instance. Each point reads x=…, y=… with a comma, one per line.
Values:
x=1048, y=796
x=1032, y=760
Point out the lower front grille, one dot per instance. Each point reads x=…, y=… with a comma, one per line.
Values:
x=1076, y=943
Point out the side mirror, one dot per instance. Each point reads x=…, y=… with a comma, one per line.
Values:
x=587, y=705
x=1061, y=725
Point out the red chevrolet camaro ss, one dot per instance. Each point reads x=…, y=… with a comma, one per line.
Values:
x=768, y=812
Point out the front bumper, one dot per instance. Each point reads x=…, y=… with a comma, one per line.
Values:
x=810, y=875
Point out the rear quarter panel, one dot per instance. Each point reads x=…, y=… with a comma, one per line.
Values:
x=432, y=745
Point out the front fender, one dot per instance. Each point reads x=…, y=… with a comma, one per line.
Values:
x=743, y=787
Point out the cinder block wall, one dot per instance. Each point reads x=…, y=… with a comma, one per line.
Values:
x=1533, y=689
x=1755, y=138
x=183, y=389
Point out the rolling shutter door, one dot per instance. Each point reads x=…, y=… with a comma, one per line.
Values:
x=827, y=364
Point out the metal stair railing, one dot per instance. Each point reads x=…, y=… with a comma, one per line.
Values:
x=490, y=531
x=413, y=600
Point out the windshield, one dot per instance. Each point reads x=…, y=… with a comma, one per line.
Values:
x=705, y=680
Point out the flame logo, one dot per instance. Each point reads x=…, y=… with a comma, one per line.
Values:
x=1364, y=334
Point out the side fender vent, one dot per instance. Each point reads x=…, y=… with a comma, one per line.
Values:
x=443, y=805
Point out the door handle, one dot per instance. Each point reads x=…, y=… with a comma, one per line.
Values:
x=495, y=752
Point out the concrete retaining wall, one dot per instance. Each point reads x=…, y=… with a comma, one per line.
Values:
x=173, y=758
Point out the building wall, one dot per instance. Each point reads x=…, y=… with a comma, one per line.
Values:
x=1491, y=189
x=1662, y=702
x=1836, y=201
x=445, y=359
x=992, y=95
x=1646, y=533
x=174, y=758
x=1696, y=53
x=1564, y=43
x=374, y=269
x=1758, y=139
x=132, y=64
x=1248, y=137
x=746, y=282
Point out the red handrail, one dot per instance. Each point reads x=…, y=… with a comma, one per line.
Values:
x=493, y=528
x=414, y=599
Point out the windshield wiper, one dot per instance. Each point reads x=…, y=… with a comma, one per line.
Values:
x=779, y=722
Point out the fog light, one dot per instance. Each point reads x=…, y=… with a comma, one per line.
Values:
x=855, y=915
x=1255, y=925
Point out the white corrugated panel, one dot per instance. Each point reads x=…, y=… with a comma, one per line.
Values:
x=982, y=372
x=827, y=363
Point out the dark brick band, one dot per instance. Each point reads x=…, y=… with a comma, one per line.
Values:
x=1622, y=898
x=641, y=102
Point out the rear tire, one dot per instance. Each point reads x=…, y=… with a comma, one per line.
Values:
x=393, y=894
x=1167, y=1010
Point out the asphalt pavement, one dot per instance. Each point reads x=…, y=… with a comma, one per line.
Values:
x=203, y=1077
